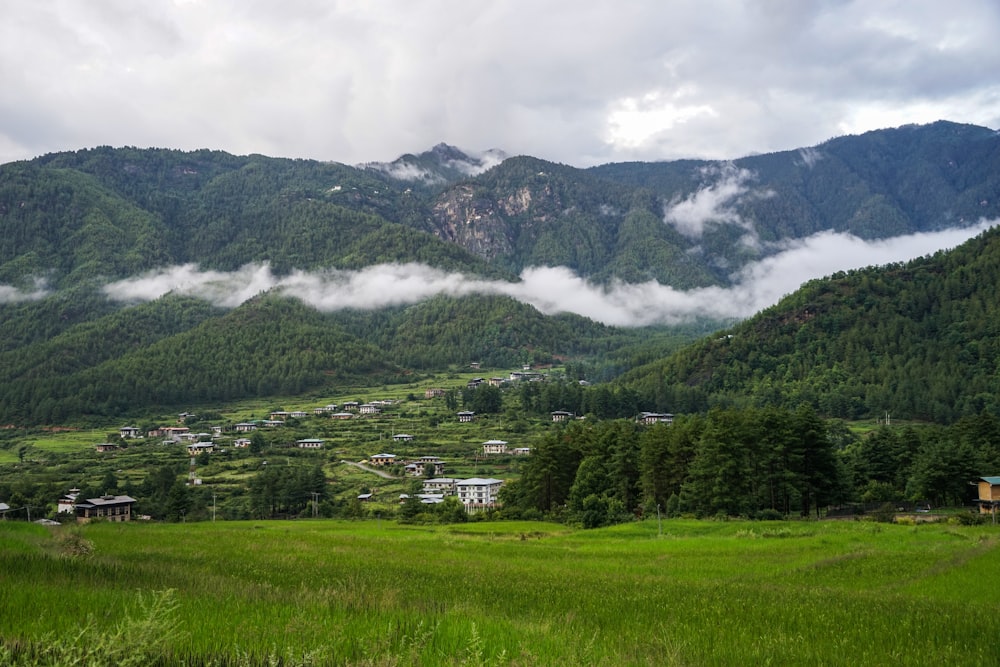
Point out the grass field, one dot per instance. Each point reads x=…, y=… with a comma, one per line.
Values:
x=377, y=593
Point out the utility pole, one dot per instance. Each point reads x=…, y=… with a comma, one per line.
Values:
x=315, y=495
x=213, y=507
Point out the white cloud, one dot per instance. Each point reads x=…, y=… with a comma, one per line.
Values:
x=634, y=122
x=552, y=289
x=712, y=203
x=11, y=294
x=405, y=171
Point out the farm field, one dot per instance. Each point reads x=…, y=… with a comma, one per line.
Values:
x=324, y=592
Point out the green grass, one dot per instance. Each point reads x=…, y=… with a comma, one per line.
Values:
x=524, y=593
x=69, y=440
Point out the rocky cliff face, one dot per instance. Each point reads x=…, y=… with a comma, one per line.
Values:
x=473, y=222
x=489, y=224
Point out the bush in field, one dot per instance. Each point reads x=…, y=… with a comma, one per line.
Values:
x=970, y=519
x=886, y=513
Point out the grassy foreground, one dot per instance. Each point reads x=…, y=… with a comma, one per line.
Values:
x=376, y=593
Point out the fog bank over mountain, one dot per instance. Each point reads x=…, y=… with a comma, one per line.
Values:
x=549, y=289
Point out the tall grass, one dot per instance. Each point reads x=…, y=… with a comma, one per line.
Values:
x=327, y=592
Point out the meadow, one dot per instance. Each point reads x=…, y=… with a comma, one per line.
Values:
x=319, y=592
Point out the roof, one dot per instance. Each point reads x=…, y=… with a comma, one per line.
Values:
x=478, y=481
x=105, y=500
x=993, y=481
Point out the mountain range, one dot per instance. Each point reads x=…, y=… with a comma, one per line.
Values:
x=74, y=223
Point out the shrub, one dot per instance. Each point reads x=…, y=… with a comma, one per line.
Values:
x=970, y=519
x=886, y=513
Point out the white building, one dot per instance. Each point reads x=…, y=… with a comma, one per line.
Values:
x=495, y=447
x=477, y=493
x=444, y=485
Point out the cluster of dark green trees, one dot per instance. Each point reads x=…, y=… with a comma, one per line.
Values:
x=753, y=462
x=178, y=350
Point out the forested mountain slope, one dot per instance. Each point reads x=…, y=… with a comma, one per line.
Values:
x=878, y=184
x=918, y=340
x=110, y=213
x=71, y=223
x=179, y=351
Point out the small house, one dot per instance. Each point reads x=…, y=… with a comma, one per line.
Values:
x=560, y=415
x=369, y=409
x=383, y=459
x=444, y=485
x=173, y=432
x=466, y=416
x=196, y=448
x=106, y=447
x=127, y=432
x=310, y=443
x=495, y=447
x=989, y=494
x=403, y=437
x=241, y=443
x=419, y=467
x=66, y=503
x=655, y=418
x=245, y=427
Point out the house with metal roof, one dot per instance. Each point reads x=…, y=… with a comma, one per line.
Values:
x=107, y=508
x=989, y=494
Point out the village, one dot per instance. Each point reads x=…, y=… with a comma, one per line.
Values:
x=335, y=432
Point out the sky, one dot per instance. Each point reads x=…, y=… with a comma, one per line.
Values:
x=580, y=83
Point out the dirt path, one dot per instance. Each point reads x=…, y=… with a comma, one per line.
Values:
x=362, y=466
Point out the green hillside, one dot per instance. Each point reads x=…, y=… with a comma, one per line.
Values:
x=917, y=340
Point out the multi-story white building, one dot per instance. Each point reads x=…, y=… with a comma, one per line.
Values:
x=478, y=493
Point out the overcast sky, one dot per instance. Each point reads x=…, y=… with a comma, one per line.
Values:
x=576, y=82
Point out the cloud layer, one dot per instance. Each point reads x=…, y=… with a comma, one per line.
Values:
x=551, y=290
x=579, y=83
